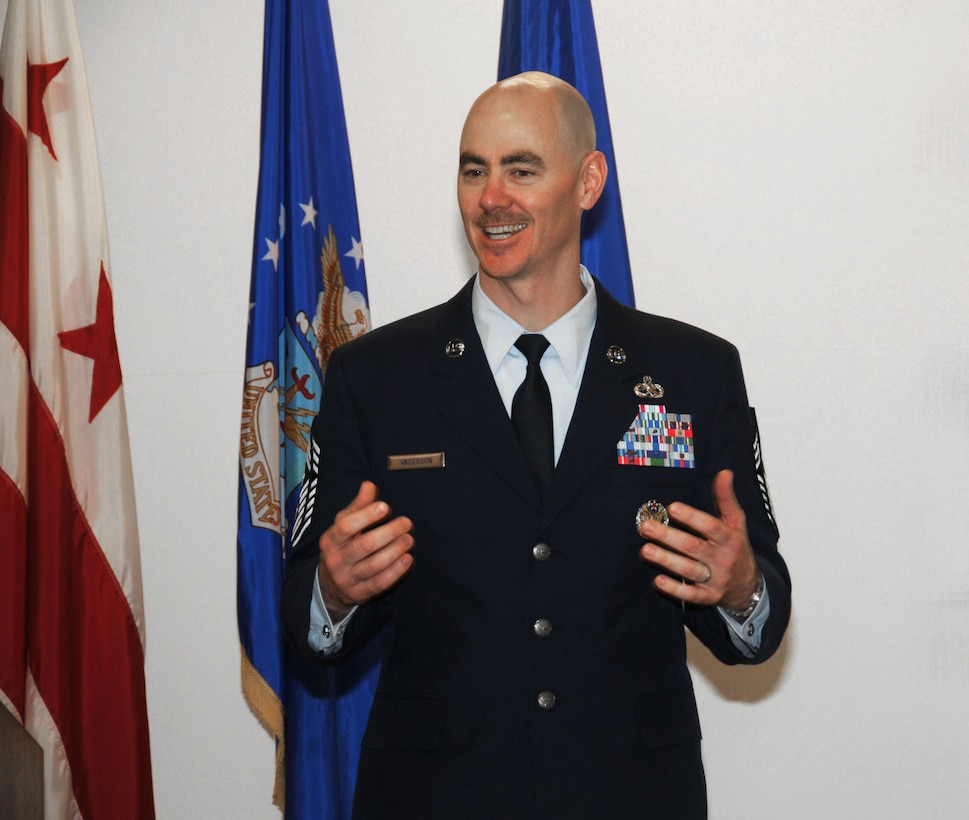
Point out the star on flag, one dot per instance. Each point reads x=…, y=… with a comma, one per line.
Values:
x=97, y=341
x=309, y=213
x=356, y=252
x=39, y=76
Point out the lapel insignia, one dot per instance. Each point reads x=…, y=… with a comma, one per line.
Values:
x=616, y=355
x=454, y=349
x=646, y=389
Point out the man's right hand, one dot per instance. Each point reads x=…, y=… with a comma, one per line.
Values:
x=363, y=554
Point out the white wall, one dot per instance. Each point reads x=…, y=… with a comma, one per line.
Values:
x=795, y=177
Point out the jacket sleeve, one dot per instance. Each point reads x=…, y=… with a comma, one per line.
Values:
x=335, y=467
x=736, y=446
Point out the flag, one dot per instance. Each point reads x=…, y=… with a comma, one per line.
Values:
x=72, y=624
x=559, y=38
x=308, y=294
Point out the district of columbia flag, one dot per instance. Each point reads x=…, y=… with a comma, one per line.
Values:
x=72, y=626
x=308, y=295
x=559, y=38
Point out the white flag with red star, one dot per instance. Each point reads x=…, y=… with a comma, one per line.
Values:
x=71, y=616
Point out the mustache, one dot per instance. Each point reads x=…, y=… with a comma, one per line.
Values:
x=493, y=220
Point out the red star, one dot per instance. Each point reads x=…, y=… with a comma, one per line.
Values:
x=97, y=342
x=38, y=78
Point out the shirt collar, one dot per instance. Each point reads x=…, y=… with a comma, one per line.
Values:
x=569, y=335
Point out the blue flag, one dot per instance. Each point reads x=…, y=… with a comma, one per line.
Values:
x=308, y=295
x=559, y=37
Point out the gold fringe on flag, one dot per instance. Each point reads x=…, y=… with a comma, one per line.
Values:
x=265, y=705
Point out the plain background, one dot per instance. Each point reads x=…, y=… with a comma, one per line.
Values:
x=795, y=177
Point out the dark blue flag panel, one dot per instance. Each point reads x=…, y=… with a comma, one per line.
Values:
x=559, y=37
x=308, y=295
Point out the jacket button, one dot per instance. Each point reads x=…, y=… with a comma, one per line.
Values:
x=542, y=627
x=546, y=700
x=541, y=552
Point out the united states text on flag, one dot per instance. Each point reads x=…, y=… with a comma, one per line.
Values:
x=71, y=616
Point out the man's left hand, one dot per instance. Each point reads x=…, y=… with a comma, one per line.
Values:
x=713, y=554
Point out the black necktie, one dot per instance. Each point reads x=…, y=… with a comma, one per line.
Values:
x=531, y=413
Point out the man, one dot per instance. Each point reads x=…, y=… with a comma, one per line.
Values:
x=534, y=663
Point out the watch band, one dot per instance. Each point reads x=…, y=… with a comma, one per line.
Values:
x=741, y=615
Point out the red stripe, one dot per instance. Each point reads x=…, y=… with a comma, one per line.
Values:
x=13, y=596
x=13, y=227
x=85, y=652
x=13, y=314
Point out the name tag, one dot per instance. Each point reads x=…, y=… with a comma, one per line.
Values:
x=415, y=461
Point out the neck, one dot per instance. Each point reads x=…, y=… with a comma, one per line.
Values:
x=534, y=303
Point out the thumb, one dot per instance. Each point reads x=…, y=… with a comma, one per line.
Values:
x=367, y=494
x=731, y=513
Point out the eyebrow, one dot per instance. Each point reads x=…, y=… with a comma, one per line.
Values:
x=529, y=158
x=523, y=158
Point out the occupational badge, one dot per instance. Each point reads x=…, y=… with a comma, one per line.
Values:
x=646, y=389
x=652, y=510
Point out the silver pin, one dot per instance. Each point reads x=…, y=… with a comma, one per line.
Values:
x=652, y=510
x=647, y=390
x=454, y=349
x=616, y=354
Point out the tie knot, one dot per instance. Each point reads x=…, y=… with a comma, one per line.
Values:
x=533, y=345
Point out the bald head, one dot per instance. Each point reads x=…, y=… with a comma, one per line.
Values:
x=528, y=170
x=535, y=90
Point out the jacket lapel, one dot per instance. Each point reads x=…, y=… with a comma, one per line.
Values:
x=469, y=399
x=606, y=404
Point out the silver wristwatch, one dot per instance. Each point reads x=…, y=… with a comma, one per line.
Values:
x=741, y=615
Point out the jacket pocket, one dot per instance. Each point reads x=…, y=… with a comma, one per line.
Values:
x=647, y=476
x=668, y=718
x=411, y=723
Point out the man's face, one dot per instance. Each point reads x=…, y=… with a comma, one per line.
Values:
x=520, y=188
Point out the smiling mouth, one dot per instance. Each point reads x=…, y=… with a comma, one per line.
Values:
x=503, y=231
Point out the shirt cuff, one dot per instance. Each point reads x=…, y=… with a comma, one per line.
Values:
x=325, y=636
x=746, y=636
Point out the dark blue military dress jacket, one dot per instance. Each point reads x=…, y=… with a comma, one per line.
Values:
x=530, y=669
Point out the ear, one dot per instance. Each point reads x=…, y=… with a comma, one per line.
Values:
x=595, y=170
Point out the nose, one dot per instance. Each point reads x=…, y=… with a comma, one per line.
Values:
x=494, y=195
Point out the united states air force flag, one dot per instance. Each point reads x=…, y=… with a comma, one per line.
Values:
x=559, y=37
x=308, y=295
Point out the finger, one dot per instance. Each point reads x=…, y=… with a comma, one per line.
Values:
x=699, y=523
x=731, y=513
x=352, y=521
x=370, y=563
x=673, y=538
x=366, y=495
x=383, y=568
x=688, y=593
x=377, y=549
x=676, y=564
